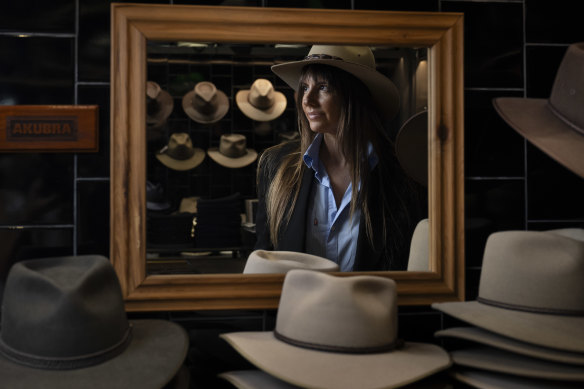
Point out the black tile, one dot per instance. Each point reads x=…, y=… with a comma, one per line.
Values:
x=36, y=70
x=559, y=21
x=93, y=217
x=38, y=16
x=472, y=278
x=554, y=192
x=96, y=164
x=542, y=65
x=493, y=43
x=400, y=5
x=492, y=147
x=36, y=188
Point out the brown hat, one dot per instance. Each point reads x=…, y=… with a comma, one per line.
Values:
x=261, y=101
x=205, y=103
x=338, y=332
x=232, y=151
x=530, y=289
x=159, y=104
x=357, y=60
x=554, y=125
x=411, y=147
x=180, y=154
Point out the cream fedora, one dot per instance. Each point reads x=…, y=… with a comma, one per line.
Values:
x=232, y=151
x=261, y=101
x=180, y=154
x=338, y=332
x=263, y=261
x=205, y=103
x=530, y=289
x=357, y=60
x=554, y=125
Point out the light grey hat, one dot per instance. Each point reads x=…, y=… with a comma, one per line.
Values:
x=530, y=289
x=338, y=332
x=483, y=379
x=264, y=261
x=255, y=379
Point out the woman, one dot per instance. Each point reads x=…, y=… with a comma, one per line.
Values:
x=308, y=200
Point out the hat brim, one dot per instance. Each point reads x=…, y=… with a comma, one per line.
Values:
x=255, y=379
x=411, y=146
x=311, y=368
x=561, y=332
x=284, y=261
x=166, y=104
x=199, y=117
x=482, y=379
x=182, y=164
x=478, y=335
x=232, y=163
x=261, y=115
x=383, y=90
x=533, y=119
x=154, y=356
x=499, y=361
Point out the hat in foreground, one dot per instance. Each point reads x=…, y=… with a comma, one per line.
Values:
x=64, y=325
x=356, y=60
x=555, y=125
x=530, y=289
x=338, y=332
x=264, y=261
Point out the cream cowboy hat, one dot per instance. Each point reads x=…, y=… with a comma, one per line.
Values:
x=357, y=60
x=205, y=103
x=180, y=154
x=261, y=101
x=232, y=151
x=530, y=289
x=263, y=261
x=554, y=125
x=338, y=332
x=64, y=326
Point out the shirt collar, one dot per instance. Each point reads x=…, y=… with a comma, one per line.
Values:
x=311, y=159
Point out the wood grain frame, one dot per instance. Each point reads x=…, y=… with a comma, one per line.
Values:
x=133, y=24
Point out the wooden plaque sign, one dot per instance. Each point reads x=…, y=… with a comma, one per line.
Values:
x=52, y=128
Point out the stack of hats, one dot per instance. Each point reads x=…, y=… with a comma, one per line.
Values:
x=334, y=332
x=218, y=223
x=527, y=324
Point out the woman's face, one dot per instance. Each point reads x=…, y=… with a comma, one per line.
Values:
x=321, y=105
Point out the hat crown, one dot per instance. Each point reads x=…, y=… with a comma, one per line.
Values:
x=58, y=312
x=180, y=146
x=567, y=96
x=233, y=145
x=361, y=55
x=261, y=94
x=534, y=271
x=152, y=89
x=347, y=314
x=205, y=90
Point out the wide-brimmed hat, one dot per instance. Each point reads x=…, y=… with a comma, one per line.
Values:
x=261, y=101
x=180, y=154
x=500, y=361
x=411, y=147
x=159, y=105
x=357, y=60
x=555, y=125
x=475, y=335
x=232, y=151
x=205, y=103
x=64, y=326
x=530, y=289
x=264, y=261
x=255, y=379
x=483, y=379
x=419, y=257
x=338, y=332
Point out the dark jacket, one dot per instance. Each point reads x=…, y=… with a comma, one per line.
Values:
x=292, y=235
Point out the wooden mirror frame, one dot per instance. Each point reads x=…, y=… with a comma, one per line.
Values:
x=133, y=24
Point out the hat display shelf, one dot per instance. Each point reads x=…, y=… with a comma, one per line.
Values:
x=180, y=46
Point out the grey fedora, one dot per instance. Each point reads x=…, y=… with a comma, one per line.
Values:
x=64, y=326
x=555, y=125
x=264, y=261
x=338, y=332
x=530, y=289
x=483, y=379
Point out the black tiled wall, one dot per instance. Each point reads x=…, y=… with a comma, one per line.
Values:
x=58, y=53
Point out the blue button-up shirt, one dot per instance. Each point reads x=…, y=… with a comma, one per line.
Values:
x=331, y=232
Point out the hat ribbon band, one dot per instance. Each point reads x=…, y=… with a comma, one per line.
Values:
x=67, y=363
x=560, y=116
x=321, y=56
x=397, y=344
x=525, y=308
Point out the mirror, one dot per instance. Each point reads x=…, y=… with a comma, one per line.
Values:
x=140, y=32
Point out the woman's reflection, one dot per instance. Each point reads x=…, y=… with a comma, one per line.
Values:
x=339, y=192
